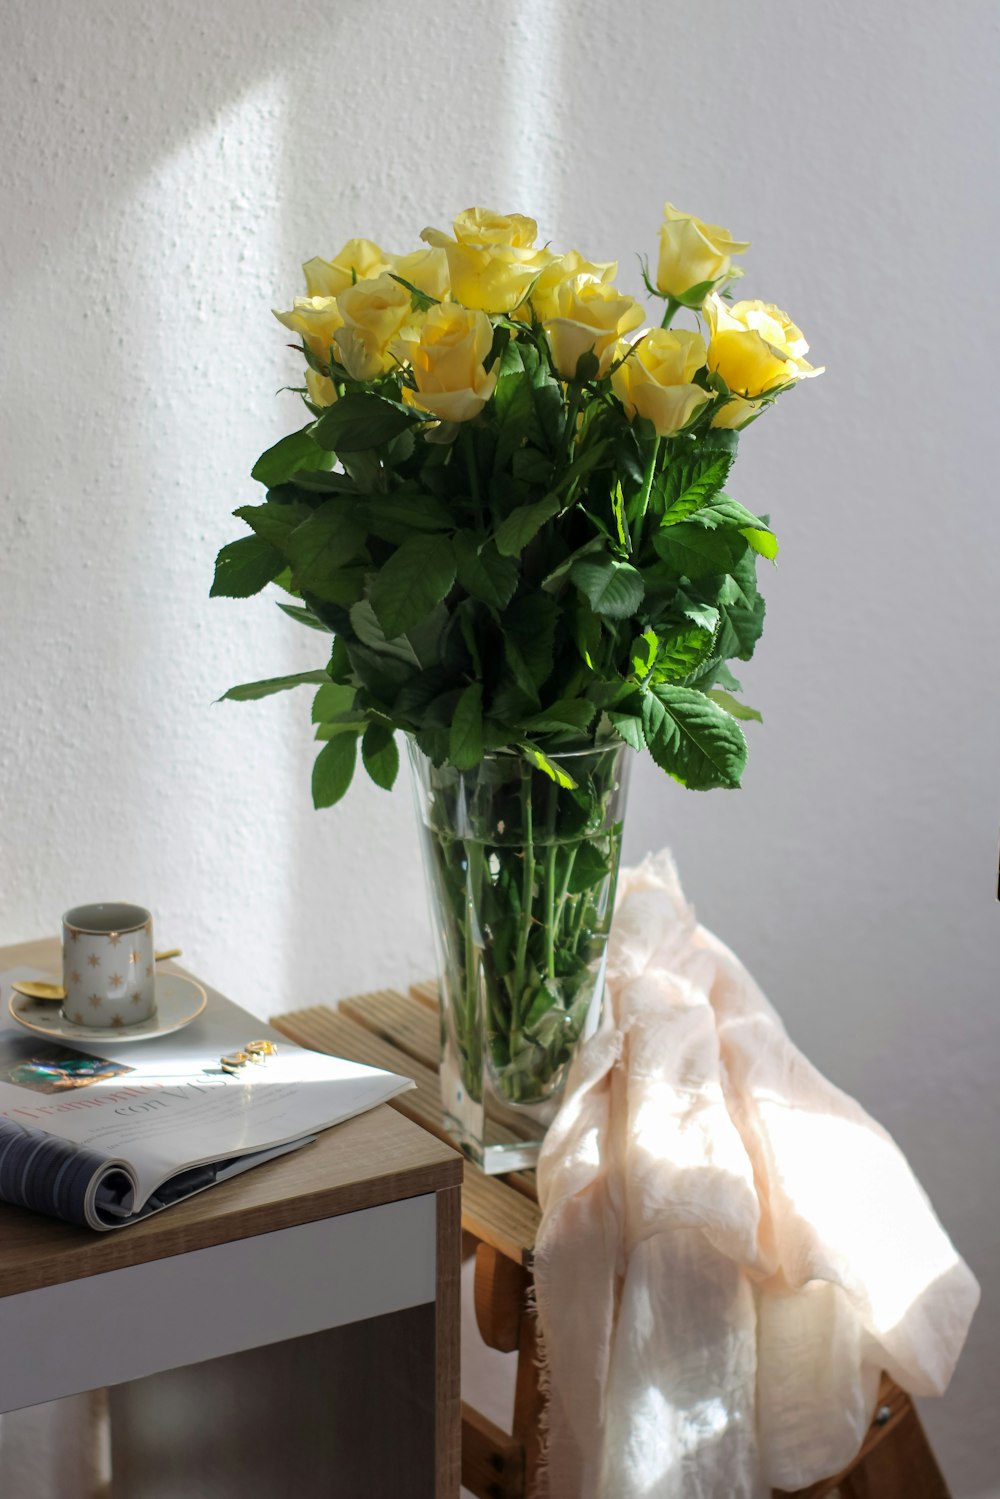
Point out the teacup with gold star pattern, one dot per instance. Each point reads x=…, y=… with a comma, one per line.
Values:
x=108, y=965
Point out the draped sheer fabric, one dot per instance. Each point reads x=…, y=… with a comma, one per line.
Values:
x=731, y=1249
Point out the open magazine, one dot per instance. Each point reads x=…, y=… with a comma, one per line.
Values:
x=104, y=1135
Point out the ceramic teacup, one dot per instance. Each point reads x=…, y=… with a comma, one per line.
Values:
x=109, y=972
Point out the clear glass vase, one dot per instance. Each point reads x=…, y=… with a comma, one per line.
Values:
x=521, y=875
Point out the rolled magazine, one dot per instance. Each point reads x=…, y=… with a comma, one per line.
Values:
x=104, y=1135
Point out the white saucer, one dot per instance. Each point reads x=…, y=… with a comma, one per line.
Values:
x=179, y=1000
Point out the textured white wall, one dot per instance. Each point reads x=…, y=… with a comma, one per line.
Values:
x=164, y=171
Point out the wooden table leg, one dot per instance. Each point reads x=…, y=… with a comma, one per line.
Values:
x=448, y=1379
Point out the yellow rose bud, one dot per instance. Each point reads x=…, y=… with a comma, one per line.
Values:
x=321, y=389
x=755, y=346
x=481, y=226
x=447, y=364
x=655, y=379
x=692, y=252
x=427, y=270
x=315, y=320
x=591, y=318
x=374, y=312
x=568, y=267
x=359, y=259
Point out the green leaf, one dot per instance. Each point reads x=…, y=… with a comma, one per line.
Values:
x=334, y=769
x=695, y=295
x=482, y=571
x=692, y=551
x=365, y=624
x=273, y=521
x=304, y=616
x=297, y=450
x=249, y=692
x=612, y=588
x=692, y=738
x=683, y=649
x=359, y=421
x=514, y=403
x=344, y=723
x=725, y=512
x=514, y=533
x=529, y=626
x=690, y=479
x=244, y=567
x=321, y=545
x=395, y=516
x=465, y=742
x=642, y=654
x=742, y=610
x=564, y=713
x=416, y=577
x=724, y=678
x=319, y=481
x=332, y=699
x=733, y=706
x=554, y=772
x=629, y=728
x=380, y=755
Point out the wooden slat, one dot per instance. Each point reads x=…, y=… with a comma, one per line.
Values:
x=529, y=1402
x=492, y=1462
x=500, y=1288
x=426, y=994
x=410, y=1027
x=492, y=1210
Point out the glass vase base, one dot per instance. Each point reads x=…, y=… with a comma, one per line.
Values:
x=496, y=1136
x=494, y=1160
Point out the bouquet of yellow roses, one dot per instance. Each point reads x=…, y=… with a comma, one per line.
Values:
x=507, y=507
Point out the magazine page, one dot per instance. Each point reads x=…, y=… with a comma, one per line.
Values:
x=109, y=1126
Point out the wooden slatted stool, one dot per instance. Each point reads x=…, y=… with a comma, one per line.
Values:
x=500, y=1217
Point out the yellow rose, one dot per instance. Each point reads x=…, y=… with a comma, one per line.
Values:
x=373, y=313
x=427, y=270
x=321, y=389
x=481, y=226
x=568, y=267
x=692, y=252
x=315, y=320
x=491, y=262
x=591, y=318
x=447, y=364
x=655, y=379
x=737, y=412
x=492, y=278
x=359, y=259
x=755, y=347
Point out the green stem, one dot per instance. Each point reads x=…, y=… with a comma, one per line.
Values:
x=527, y=889
x=672, y=307
x=644, y=493
x=572, y=410
x=550, y=911
x=469, y=454
x=564, y=884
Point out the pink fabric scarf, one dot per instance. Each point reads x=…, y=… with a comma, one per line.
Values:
x=731, y=1249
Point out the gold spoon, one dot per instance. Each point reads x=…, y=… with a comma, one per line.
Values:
x=39, y=989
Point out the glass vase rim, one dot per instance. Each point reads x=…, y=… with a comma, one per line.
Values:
x=516, y=754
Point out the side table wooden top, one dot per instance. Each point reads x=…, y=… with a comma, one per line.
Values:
x=376, y=1158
